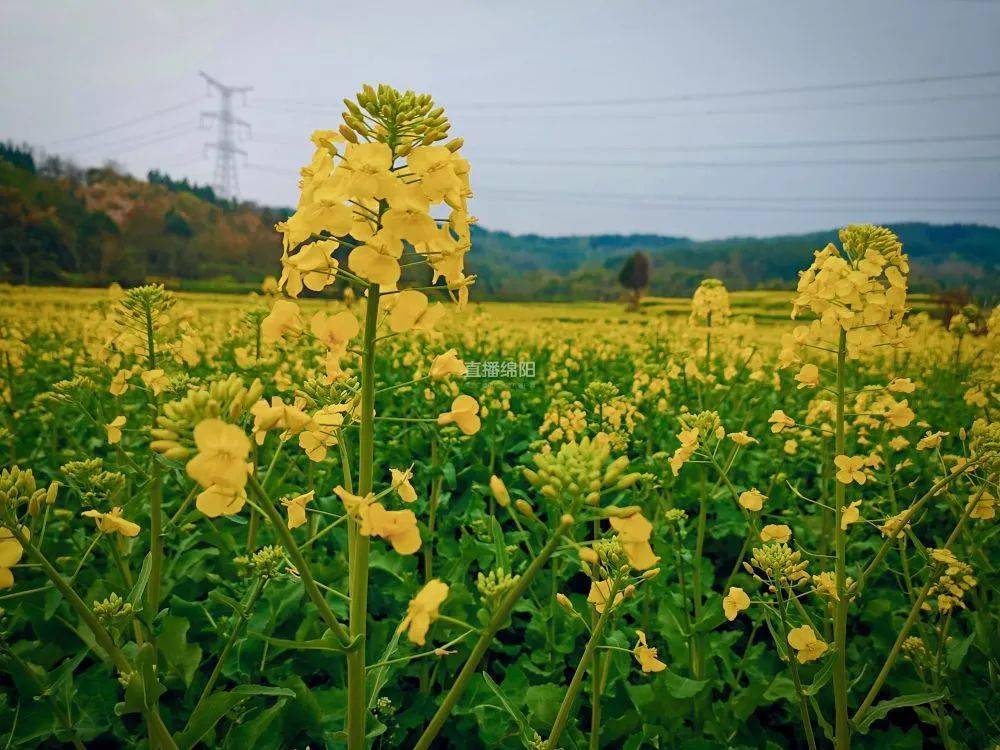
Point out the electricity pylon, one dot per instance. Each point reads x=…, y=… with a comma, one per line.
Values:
x=226, y=183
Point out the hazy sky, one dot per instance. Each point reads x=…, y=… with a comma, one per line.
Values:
x=579, y=116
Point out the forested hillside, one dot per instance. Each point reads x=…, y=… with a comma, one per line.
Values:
x=61, y=224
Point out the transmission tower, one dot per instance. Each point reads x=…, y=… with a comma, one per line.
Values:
x=226, y=182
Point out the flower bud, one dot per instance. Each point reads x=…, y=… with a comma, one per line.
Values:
x=349, y=134
x=524, y=508
x=499, y=491
x=564, y=602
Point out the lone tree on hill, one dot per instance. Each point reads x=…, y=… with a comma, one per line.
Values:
x=634, y=276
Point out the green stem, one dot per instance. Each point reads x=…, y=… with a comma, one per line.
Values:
x=696, y=584
x=496, y=622
x=559, y=725
x=842, y=727
x=358, y=564
x=803, y=704
x=299, y=561
x=234, y=632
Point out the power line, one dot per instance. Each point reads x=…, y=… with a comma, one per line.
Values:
x=978, y=210
x=131, y=139
x=800, y=144
x=126, y=123
x=735, y=164
x=776, y=91
x=819, y=106
x=750, y=198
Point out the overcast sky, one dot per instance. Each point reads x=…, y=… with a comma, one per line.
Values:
x=579, y=117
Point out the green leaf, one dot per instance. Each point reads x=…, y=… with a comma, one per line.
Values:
x=328, y=642
x=141, y=581
x=143, y=689
x=218, y=705
x=881, y=709
x=182, y=657
x=543, y=703
x=500, y=546
x=524, y=728
x=448, y=470
x=821, y=678
x=382, y=672
x=682, y=687
x=958, y=649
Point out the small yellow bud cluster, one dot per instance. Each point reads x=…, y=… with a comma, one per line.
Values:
x=696, y=430
x=607, y=559
x=113, y=611
x=915, y=650
x=779, y=564
x=267, y=562
x=18, y=486
x=949, y=590
x=710, y=304
x=674, y=517
x=227, y=399
x=385, y=114
x=984, y=444
x=494, y=586
x=91, y=480
x=66, y=391
x=579, y=472
x=139, y=313
x=384, y=707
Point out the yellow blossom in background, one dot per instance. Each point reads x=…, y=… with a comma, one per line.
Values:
x=850, y=469
x=354, y=504
x=901, y=385
x=735, y=602
x=599, y=593
x=742, y=438
x=752, y=499
x=850, y=515
x=931, y=440
x=423, y=610
x=119, y=383
x=296, y=508
x=633, y=533
x=779, y=421
x=112, y=522
x=645, y=655
x=791, y=447
x=464, y=413
x=984, y=506
x=412, y=311
x=808, y=376
x=313, y=267
x=219, y=500
x=398, y=527
x=807, y=646
x=222, y=455
x=283, y=318
x=776, y=533
x=114, y=429
x=155, y=380
x=11, y=552
x=447, y=365
x=899, y=443
x=401, y=483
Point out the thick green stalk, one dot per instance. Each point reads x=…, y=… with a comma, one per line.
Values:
x=358, y=564
x=559, y=725
x=299, y=561
x=496, y=622
x=841, y=726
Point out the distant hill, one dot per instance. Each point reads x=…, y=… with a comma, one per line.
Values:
x=61, y=224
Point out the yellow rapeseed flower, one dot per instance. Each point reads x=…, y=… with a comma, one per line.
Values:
x=645, y=655
x=423, y=610
x=807, y=646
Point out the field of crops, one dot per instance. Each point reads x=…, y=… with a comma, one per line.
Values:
x=382, y=521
